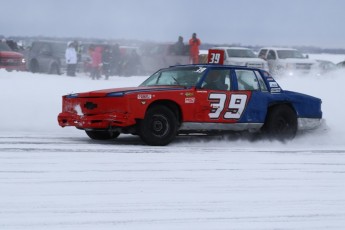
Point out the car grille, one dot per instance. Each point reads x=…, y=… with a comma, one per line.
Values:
x=303, y=66
x=10, y=61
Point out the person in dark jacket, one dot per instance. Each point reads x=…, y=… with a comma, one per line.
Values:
x=179, y=47
x=106, y=60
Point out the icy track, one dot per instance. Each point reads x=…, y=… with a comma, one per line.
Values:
x=53, y=178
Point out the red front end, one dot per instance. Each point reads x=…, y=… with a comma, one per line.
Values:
x=10, y=60
x=97, y=110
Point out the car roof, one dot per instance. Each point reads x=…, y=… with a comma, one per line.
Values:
x=215, y=66
x=277, y=48
x=231, y=47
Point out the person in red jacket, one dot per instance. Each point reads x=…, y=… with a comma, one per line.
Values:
x=96, y=61
x=194, y=44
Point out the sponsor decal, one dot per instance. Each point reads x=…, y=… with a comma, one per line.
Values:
x=189, y=100
x=228, y=110
x=273, y=84
x=189, y=94
x=200, y=70
x=275, y=90
x=144, y=96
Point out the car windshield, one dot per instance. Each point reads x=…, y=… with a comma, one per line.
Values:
x=241, y=53
x=4, y=47
x=181, y=76
x=282, y=54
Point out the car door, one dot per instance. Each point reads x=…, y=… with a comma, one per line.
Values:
x=250, y=83
x=45, y=57
x=216, y=102
x=243, y=101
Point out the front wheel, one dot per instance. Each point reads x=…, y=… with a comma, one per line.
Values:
x=102, y=135
x=281, y=123
x=159, y=126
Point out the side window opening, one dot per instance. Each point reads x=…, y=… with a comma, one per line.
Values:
x=271, y=55
x=261, y=82
x=217, y=79
x=246, y=80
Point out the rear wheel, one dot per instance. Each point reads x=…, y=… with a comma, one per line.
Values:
x=159, y=126
x=34, y=66
x=281, y=123
x=54, y=69
x=102, y=135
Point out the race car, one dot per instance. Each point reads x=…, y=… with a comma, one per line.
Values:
x=190, y=99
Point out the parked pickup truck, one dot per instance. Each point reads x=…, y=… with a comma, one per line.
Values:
x=286, y=61
x=242, y=56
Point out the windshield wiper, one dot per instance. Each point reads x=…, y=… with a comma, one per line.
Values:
x=178, y=83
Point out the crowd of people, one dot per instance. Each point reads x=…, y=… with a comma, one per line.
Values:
x=180, y=48
x=107, y=60
x=103, y=59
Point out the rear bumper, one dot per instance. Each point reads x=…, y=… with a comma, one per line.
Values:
x=308, y=123
x=100, y=121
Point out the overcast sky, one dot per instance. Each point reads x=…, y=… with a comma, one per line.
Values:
x=248, y=22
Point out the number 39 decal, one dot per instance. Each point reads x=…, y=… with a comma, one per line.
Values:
x=233, y=110
x=215, y=56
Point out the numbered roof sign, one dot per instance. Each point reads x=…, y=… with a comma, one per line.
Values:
x=215, y=56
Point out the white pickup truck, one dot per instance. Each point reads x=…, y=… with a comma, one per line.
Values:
x=242, y=56
x=286, y=61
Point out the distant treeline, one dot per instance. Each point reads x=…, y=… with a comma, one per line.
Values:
x=27, y=40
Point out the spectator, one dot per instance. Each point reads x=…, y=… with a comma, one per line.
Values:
x=96, y=61
x=13, y=45
x=194, y=44
x=71, y=59
x=179, y=47
x=106, y=59
x=132, y=63
x=115, y=59
x=78, y=49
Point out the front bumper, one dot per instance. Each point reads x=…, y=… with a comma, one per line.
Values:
x=100, y=121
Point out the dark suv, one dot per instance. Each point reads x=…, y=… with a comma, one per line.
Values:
x=47, y=57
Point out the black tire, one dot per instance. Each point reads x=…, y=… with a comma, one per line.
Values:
x=54, y=69
x=281, y=123
x=102, y=135
x=159, y=126
x=34, y=68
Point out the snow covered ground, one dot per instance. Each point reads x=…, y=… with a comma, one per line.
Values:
x=57, y=178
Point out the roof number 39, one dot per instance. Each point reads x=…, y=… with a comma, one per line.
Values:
x=233, y=110
x=215, y=58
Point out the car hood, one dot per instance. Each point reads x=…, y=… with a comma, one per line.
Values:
x=299, y=60
x=11, y=54
x=123, y=91
x=238, y=59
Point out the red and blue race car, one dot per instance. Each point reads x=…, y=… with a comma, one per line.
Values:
x=189, y=99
